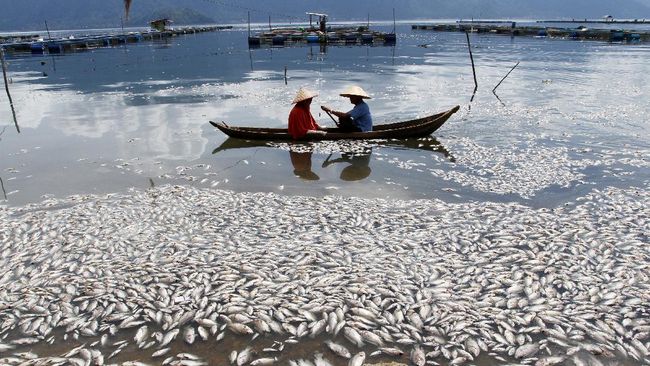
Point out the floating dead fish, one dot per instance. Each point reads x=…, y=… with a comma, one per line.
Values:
x=338, y=349
x=358, y=359
x=107, y=285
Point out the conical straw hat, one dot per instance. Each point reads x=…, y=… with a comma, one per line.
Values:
x=303, y=94
x=355, y=91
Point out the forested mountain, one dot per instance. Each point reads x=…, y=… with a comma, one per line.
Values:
x=67, y=14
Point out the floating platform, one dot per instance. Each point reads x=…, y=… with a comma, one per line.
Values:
x=342, y=36
x=598, y=21
x=38, y=45
x=579, y=33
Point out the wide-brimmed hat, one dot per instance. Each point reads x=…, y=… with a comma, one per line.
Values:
x=355, y=91
x=352, y=173
x=304, y=94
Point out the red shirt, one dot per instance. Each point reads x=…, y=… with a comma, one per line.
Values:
x=300, y=121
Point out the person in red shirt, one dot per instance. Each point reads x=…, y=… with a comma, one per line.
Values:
x=301, y=122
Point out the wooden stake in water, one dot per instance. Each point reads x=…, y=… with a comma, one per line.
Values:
x=2, y=185
x=514, y=67
x=48, y=31
x=285, y=75
x=4, y=76
x=469, y=47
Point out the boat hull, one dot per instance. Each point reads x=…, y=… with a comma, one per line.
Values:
x=414, y=128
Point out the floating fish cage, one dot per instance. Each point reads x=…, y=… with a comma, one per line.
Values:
x=348, y=36
x=54, y=47
x=38, y=45
x=579, y=33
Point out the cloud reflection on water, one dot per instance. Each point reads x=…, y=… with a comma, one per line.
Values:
x=568, y=93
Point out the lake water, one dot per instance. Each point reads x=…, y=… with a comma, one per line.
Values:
x=569, y=124
x=113, y=118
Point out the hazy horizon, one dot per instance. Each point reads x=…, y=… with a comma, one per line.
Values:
x=87, y=14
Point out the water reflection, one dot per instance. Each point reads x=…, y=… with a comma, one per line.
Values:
x=428, y=143
x=353, y=156
x=301, y=162
x=358, y=168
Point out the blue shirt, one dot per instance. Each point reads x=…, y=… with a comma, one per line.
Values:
x=361, y=117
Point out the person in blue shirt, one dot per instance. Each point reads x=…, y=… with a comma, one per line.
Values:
x=359, y=118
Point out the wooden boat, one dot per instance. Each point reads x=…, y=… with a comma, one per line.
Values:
x=414, y=128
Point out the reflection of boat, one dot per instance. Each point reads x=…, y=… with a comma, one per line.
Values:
x=232, y=143
x=428, y=143
x=413, y=128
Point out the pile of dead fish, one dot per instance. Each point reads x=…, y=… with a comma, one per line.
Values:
x=133, y=279
x=522, y=170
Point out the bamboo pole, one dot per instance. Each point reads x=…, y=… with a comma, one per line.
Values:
x=4, y=76
x=2, y=185
x=49, y=36
x=469, y=47
x=514, y=67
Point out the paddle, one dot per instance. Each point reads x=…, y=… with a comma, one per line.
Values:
x=329, y=114
x=327, y=161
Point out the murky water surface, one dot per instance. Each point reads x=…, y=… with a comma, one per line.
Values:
x=517, y=233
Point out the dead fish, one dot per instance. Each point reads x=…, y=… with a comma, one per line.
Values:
x=549, y=361
x=261, y=326
x=319, y=360
x=418, y=357
x=264, y=361
x=353, y=336
x=371, y=338
x=244, y=356
x=317, y=328
x=168, y=337
x=472, y=346
x=239, y=328
x=190, y=335
x=203, y=333
x=358, y=359
x=391, y=351
x=338, y=349
x=526, y=351
x=160, y=352
x=141, y=334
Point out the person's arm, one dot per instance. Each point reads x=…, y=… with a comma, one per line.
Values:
x=336, y=113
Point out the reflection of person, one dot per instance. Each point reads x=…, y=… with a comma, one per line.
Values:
x=301, y=122
x=359, y=118
x=358, y=169
x=301, y=162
